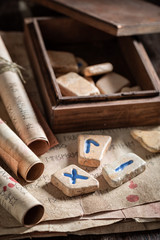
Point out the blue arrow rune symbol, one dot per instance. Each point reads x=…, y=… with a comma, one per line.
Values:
x=123, y=165
x=87, y=145
x=75, y=176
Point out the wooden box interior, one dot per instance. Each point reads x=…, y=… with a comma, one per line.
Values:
x=128, y=57
x=95, y=46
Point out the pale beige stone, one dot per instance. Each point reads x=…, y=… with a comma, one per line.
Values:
x=63, y=62
x=150, y=140
x=91, y=149
x=81, y=64
x=72, y=84
x=90, y=79
x=131, y=89
x=73, y=185
x=111, y=83
x=123, y=169
x=98, y=69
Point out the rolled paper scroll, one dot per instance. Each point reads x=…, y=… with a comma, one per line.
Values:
x=18, y=105
x=20, y=159
x=18, y=201
x=51, y=137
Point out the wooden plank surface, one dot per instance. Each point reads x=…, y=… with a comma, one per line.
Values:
x=113, y=114
x=121, y=18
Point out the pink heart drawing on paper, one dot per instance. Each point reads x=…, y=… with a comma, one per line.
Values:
x=132, y=198
x=5, y=188
x=12, y=179
x=11, y=185
x=132, y=185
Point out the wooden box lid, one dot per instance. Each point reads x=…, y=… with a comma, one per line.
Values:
x=116, y=17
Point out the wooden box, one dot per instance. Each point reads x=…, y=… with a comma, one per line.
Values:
x=129, y=58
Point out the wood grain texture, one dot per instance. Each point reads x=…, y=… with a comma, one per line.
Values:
x=112, y=114
x=69, y=114
x=121, y=18
x=151, y=44
x=35, y=62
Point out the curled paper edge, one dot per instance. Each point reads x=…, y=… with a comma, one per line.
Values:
x=19, y=158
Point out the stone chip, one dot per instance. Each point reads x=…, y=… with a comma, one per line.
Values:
x=98, y=69
x=63, y=62
x=149, y=139
x=91, y=149
x=74, y=181
x=72, y=84
x=123, y=169
x=111, y=83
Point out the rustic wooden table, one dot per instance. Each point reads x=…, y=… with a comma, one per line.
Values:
x=12, y=13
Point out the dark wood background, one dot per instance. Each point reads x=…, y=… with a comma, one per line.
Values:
x=12, y=13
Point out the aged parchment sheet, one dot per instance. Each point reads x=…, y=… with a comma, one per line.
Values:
x=142, y=189
x=58, y=206
x=128, y=226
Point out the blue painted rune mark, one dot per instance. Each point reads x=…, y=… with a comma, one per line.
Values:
x=123, y=165
x=75, y=176
x=79, y=64
x=87, y=145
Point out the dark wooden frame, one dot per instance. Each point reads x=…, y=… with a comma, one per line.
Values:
x=118, y=18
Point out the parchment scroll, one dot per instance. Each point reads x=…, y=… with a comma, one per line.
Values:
x=20, y=159
x=18, y=201
x=18, y=105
